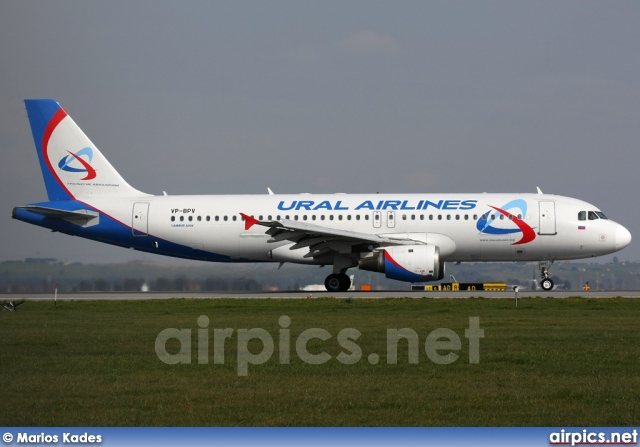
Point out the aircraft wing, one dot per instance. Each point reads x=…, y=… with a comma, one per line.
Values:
x=321, y=239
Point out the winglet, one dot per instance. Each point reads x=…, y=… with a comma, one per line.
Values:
x=249, y=221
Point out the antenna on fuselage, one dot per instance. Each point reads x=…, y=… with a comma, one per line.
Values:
x=539, y=190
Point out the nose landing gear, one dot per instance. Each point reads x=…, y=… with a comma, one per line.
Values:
x=546, y=283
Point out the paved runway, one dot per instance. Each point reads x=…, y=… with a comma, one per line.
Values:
x=315, y=294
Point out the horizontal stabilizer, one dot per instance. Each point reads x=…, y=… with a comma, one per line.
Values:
x=83, y=218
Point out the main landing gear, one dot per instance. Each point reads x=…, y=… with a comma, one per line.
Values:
x=337, y=282
x=546, y=283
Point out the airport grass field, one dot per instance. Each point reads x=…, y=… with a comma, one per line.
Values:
x=549, y=362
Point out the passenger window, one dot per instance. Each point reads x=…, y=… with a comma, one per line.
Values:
x=235, y=217
x=404, y=217
x=582, y=215
x=448, y=216
x=181, y=218
x=592, y=215
x=304, y=217
x=225, y=218
x=439, y=216
x=199, y=218
x=366, y=217
x=457, y=216
x=208, y=218
x=173, y=218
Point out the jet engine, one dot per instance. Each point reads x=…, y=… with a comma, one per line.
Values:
x=410, y=263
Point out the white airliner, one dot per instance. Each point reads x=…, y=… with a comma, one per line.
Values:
x=408, y=237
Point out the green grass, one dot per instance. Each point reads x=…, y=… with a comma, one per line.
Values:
x=558, y=362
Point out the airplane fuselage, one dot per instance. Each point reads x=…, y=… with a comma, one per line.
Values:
x=210, y=227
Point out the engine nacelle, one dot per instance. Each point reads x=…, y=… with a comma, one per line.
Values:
x=410, y=263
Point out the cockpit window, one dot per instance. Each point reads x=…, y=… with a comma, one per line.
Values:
x=593, y=215
x=582, y=215
x=601, y=215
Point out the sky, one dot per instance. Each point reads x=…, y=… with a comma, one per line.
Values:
x=218, y=97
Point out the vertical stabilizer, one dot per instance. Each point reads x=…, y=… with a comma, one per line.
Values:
x=71, y=164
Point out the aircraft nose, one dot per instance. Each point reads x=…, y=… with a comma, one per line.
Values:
x=623, y=237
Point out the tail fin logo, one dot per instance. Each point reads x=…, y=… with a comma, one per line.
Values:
x=73, y=161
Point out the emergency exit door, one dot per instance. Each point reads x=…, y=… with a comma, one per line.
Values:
x=391, y=219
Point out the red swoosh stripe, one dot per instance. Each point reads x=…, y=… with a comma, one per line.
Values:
x=527, y=232
x=91, y=173
x=51, y=126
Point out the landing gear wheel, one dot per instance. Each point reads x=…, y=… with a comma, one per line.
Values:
x=337, y=282
x=546, y=284
x=345, y=282
x=333, y=283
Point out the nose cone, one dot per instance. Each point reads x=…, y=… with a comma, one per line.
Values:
x=623, y=237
